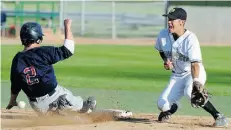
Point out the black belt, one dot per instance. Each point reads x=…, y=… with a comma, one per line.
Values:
x=178, y=73
x=33, y=99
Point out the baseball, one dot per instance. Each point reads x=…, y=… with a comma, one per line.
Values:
x=21, y=104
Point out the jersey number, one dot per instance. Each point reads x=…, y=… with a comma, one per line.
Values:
x=30, y=75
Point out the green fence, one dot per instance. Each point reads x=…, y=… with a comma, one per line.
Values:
x=34, y=6
x=19, y=12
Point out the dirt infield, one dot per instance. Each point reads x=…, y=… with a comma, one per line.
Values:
x=80, y=40
x=27, y=120
x=58, y=38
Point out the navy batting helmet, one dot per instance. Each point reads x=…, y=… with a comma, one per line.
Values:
x=31, y=32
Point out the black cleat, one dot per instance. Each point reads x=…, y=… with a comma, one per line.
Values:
x=164, y=116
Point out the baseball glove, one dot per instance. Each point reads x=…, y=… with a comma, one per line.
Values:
x=199, y=96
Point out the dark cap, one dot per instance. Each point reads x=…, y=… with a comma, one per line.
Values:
x=176, y=13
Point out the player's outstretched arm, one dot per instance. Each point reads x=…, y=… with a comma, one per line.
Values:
x=15, y=88
x=12, y=101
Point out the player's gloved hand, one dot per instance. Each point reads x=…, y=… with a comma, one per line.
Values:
x=199, y=95
x=11, y=104
x=168, y=65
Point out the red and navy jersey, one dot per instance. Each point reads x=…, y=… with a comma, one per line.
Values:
x=32, y=70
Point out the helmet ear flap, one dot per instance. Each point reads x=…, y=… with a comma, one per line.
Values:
x=40, y=39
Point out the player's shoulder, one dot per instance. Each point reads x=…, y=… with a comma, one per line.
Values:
x=192, y=39
x=44, y=49
x=16, y=59
x=191, y=36
x=17, y=56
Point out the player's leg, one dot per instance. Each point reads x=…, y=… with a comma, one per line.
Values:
x=77, y=103
x=169, y=98
x=41, y=105
x=60, y=99
x=219, y=118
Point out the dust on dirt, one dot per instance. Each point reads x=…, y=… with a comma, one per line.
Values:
x=17, y=119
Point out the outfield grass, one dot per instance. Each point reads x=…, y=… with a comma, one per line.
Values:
x=127, y=68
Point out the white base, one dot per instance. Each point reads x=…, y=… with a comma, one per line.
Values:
x=118, y=113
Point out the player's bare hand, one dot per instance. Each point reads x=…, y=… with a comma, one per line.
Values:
x=11, y=104
x=168, y=65
x=67, y=23
x=67, y=29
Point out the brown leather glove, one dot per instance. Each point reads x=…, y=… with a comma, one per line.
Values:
x=199, y=96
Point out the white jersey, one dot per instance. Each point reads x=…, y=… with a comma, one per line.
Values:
x=182, y=52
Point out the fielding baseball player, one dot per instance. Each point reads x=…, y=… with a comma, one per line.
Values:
x=180, y=50
x=32, y=72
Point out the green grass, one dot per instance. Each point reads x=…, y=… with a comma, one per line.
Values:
x=120, y=67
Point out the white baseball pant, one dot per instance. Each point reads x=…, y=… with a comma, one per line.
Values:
x=178, y=86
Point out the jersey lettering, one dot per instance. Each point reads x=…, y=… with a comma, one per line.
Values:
x=30, y=73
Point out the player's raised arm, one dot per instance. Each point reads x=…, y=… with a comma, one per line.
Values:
x=69, y=41
x=55, y=54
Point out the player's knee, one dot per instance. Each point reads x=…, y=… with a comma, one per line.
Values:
x=75, y=101
x=187, y=93
x=188, y=89
x=40, y=110
x=163, y=105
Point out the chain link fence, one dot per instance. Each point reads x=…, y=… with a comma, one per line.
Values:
x=114, y=19
x=211, y=24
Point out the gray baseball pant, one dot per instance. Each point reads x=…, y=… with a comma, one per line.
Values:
x=43, y=104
